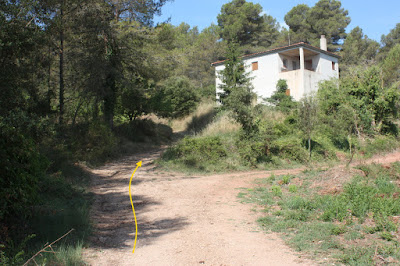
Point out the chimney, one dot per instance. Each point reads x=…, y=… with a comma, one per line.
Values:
x=323, y=43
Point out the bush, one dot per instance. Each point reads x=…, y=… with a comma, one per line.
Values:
x=197, y=152
x=92, y=142
x=251, y=148
x=289, y=147
x=176, y=98
x=144, y=131
x=323, y=146
x=276, y=190
x=21, y=168
x=378, y=144
x=279, y=98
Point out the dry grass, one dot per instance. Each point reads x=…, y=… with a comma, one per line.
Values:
x=269, y=114
x=182, y=124
x=222, y=125
x=156, y=119
x=203, y=109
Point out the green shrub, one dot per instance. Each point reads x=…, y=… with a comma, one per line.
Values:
x=21, y=166
x=176, y=98
x=338, y=230
x=323, y=146
x=286, y=179
x=293, y=188
x=358, y=199
x=299, y=203
x=380, y=143
x=93, y=143
x=289, y=147
x=251, y=148
x=276, y=190
x=196, y=152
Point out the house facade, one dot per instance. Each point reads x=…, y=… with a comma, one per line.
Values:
x=302, y=66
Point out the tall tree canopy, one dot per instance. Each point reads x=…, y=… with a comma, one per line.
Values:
x=243, y=22
x=358, y=48
x=327, y=17
x=236, y=87
x=389, y=41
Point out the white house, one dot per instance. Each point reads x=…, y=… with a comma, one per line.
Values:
x=303, y=66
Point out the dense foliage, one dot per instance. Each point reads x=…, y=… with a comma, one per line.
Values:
x=77, y=78
x=327, y=17
x=237, y=89
x=280, y=99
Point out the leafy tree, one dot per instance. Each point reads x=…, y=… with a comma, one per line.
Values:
x=205, y=49
x=242, y=21
x=269, y=33
x=136, y=99
x=391, y=67
x=176, y=98
x=280, y=99
x=296, y=19
x=21, y=166
x=141, y=11
x=236, y=89
x=389, y=41
x=327, y=17
x=373, y=106
x=308, y=109
x=358, y=48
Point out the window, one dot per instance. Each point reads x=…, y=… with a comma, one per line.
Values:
x=333, y=66
x=254, y=66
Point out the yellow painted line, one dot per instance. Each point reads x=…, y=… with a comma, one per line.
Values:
x=139, y=164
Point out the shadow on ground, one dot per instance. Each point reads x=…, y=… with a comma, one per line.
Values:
x=112, y=216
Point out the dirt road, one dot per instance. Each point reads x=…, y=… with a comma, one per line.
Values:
x=182, y=220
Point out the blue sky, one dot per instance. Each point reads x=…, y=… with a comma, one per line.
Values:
x=374, y=17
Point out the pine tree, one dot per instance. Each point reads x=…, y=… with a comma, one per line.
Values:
x=237, y=92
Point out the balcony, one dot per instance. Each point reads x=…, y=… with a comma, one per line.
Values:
x=299, y=84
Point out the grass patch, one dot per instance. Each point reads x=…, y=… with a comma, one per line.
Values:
x=357, y=226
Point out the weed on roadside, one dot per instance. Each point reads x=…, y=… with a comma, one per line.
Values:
x=357, y=225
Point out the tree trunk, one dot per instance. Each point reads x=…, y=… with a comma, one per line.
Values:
x=309, y=146
x=61, y=117
x=76, y=112
x=49, y=89
x=109, y=101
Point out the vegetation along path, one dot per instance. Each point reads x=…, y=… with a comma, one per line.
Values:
x=182, y=220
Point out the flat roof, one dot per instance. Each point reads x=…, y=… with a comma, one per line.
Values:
x=281, y=49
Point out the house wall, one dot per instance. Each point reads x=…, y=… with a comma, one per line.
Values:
x=270, y=71
x=322, y=64
x=325, y=67
x=293, y=81
x=218, y=81
x=264, y=79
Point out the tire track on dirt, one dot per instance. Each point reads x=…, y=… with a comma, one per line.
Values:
x=182, y=220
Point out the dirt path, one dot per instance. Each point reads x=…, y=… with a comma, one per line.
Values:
x=182, y=220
